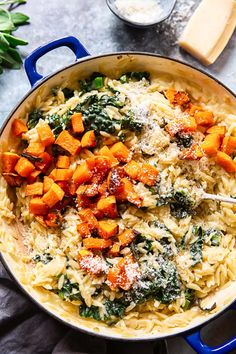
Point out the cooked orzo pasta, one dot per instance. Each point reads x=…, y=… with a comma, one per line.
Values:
x=108, y=179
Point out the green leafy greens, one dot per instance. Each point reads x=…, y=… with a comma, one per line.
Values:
x=69, y=291
x=9, y=22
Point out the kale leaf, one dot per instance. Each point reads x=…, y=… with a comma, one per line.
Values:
x=94, y=82
x=196, y=247
x=69, y=291
x=90, y=312
x=34, y=118
x=146, y=245
x=181, y=205
x=135, y=76
x=44, y=258
x=128, y=122
x=216, y=236
x=162, y=284
x=190, y=297
x=68, y=93
x=59, y=123
x=115, y=308
x=184, y=140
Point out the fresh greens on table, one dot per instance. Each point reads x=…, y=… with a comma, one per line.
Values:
x=9, y=22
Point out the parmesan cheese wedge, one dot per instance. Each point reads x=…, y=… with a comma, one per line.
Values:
x=209, y=29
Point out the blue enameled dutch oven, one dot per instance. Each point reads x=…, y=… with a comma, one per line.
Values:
x=113, y=65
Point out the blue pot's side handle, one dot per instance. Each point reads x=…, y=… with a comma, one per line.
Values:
x=30, y=62
x=197, y=344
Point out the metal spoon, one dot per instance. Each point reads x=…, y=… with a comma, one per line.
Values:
x=218, y=198
x=166, y=5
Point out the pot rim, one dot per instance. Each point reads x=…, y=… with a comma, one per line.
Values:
x=183, y=331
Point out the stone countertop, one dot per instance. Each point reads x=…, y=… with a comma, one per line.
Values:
x=101, y=32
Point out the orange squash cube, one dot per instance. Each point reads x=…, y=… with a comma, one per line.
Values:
x=83, y=230
x=217, y=129
x=148, y=175
x=77, y=123
x=108, y=207
x=24, y=167
x=9, y=160
x=229, y=144
x=19, y=127
x=53, y=196
x=108, y=228
x=204, y=118
x=46, y=135
x=105, y=151
x=47, y=183
x=96, y=243
x=120, y=152
x=63, y=161
x=126, y=237
x=89, y=139
x=211, y=144
x=66, y=141
x=35, y=149
x=225, y=161
x=37, y=206
x=82, y=174
x=34, y=189
x=133, y=169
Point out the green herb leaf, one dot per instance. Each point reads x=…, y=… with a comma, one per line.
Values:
x=8, y=59
x=18, y=18
x=4, y=44
x=14, y=41
x=189, y=299
x=6, y=23
x=90, y=312
x=196, y=247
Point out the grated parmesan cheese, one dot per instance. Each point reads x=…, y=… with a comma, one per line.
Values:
x=139, y=11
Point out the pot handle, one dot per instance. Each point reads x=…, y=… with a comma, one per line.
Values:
x=197, y=344
x=30, y=62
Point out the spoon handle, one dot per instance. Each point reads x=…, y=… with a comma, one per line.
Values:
x=219, y=198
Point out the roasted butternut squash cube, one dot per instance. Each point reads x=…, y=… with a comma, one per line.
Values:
x=108, y=228
x=9, y=160
x=211, y=144
x=77, y=123
x=46, y=135
x=66, y=141
x=47, y=183
x=19, y=127
x=63, y=161
x=96, y=243
x=217, y=129
x=53, y=196
x=120, y=152
x=88, y=140
x=108, y=207
x=105, y=151
x=148, y=175
x=126, y=237
x=229, y=145
x=82, y=174
x=83, y=230
x=37, y=206
x=87, y=216
x=35, y=149
x=226, y=162
x=24, y=167
x=34, y=189
x=204, y=118
x=133, y=169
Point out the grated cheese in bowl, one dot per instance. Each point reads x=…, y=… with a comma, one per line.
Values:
x=139, y=11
